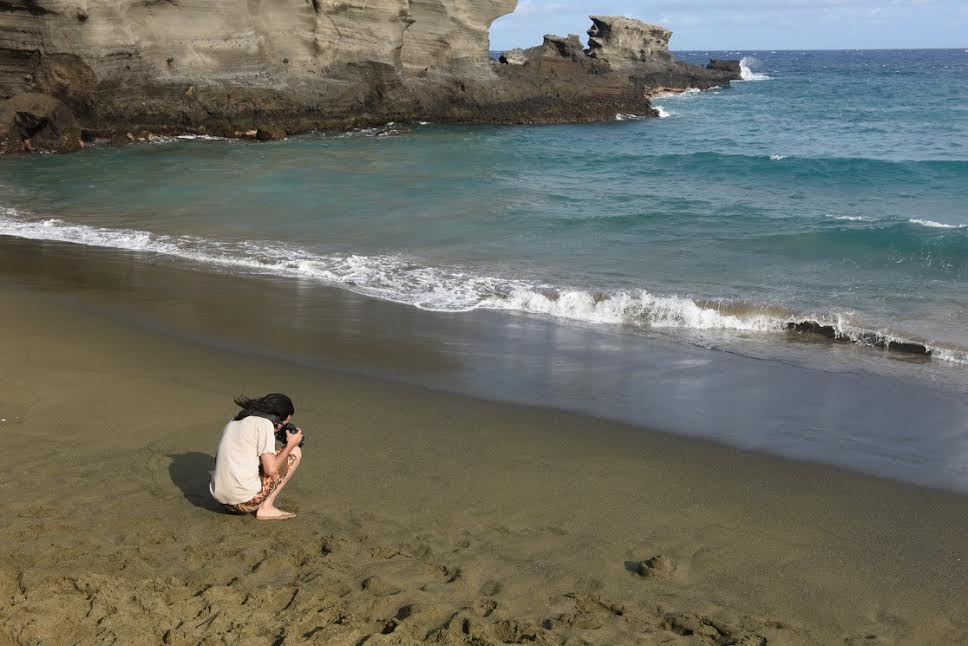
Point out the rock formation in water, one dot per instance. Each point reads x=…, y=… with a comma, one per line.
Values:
x=165, y=66
x=625, y=42
x=730, y=66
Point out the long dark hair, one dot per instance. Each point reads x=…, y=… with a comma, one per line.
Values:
x=274, y=407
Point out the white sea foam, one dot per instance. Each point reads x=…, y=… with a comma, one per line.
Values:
x=389, y=130
x=200, y=138
x=382, y=276
x=953, y=356
x=850, y=218
x=675, y=94
x=777, y=157
x=637, y=308
x=449, y=289
x=663, y=113
x=746, y=72
x=931, y=224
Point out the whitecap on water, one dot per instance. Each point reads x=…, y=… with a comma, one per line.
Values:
x=849, y=218
x=931, y=224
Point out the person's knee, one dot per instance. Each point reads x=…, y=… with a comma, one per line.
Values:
x=296, y=456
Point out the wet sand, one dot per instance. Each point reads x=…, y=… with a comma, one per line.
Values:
x=423, y=516
x=832, y=407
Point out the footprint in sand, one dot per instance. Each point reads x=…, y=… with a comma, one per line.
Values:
x=446, y=574
x=484, y=607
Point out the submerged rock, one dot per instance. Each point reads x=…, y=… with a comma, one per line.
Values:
x=868, y=338
x=814, y=327
x=909, y=347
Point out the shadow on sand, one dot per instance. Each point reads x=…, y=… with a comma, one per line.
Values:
x=190, y=472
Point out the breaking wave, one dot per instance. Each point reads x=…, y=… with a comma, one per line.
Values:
x=452, y=289
x=199, y=138
x=931, y=224
x=747, y=73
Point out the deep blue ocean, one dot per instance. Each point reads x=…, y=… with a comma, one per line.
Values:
x=831, y=186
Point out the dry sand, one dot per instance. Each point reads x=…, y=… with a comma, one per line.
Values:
x=425, y=516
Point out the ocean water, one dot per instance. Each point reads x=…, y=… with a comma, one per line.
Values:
x=828, y=187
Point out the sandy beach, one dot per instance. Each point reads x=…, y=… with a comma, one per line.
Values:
x=423, y=516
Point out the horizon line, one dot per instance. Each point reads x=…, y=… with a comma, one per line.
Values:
x=797, y=49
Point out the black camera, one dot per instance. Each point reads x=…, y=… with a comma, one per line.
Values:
x=282, y=435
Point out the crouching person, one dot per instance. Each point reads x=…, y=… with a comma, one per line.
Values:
x=249, y=472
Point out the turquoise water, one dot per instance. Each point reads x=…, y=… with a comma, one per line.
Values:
x=832, y=186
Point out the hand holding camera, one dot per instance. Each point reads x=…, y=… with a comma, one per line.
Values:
x=290, y=435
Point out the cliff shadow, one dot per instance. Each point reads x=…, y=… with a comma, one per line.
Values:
x=191, y=473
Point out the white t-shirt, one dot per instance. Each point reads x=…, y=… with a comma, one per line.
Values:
x=236, y=478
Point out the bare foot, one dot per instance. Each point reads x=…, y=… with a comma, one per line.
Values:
x=273, y=513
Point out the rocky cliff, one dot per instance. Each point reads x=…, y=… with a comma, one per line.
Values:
x=624, y=42
x=298, y=65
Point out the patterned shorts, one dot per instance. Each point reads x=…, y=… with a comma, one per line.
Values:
x=269, y=484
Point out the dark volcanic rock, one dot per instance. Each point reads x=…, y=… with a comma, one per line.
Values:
x=270, y=134
x=725, y=65
x=38, y=122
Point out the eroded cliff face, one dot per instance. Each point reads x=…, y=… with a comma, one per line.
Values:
x=130, y=59
x=297, y=65
x=625, y=42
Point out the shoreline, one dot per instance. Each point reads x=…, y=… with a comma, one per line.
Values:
x=822, y=410
x=427, y=516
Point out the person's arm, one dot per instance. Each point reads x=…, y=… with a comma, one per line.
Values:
x=272, y=461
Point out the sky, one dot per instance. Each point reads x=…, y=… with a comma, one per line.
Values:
x=753, y=24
